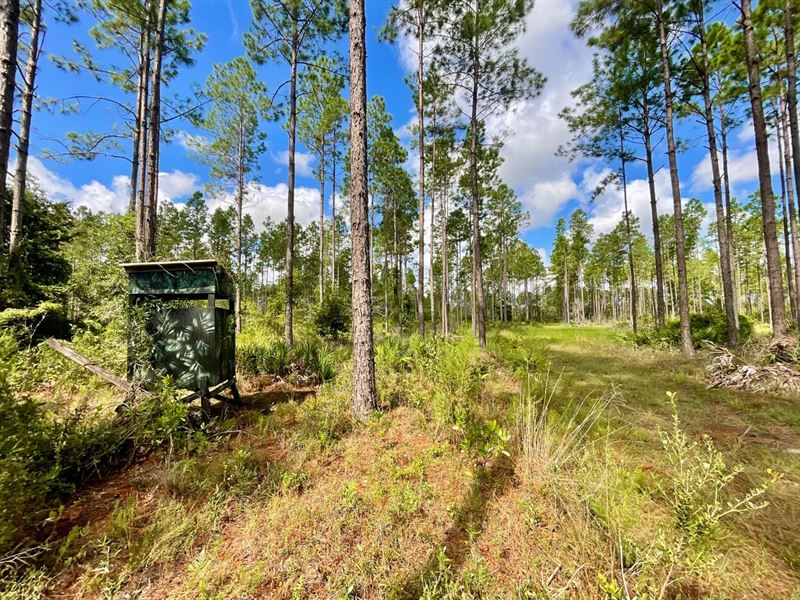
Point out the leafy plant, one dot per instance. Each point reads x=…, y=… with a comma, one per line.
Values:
x=332, y=317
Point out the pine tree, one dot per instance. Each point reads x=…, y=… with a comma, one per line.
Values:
x=239, y=104
x=365, y=396
x=480, y=61
x=292, y=33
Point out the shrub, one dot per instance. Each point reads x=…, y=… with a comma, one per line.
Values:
x=697, y=494
x=45, y=455
x=307, y=362
x=710, y=326
x=48, y=319
x=332, y=317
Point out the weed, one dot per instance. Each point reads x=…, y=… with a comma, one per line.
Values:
x=548, y=440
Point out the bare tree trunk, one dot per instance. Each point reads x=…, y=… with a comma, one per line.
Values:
x=787, y=198
x=787, y=158
x=728, y=214
x=793, y=134
x=722, y=234
x=365, y=398
x=683, y=290
x=774, y=276
x=239, y=217
x=431, y=279
x=28, y=91
x=140, y=151
x=660, y=306
x=151, y=198
x=386, y=287
x=322, y=224
x=565, y=295
x=9, y=23
x=479, y=325
x=333, y=216
x=139, y=121
x=421, y=127
x=445, y=268
x=628, y=234
x=288, y=324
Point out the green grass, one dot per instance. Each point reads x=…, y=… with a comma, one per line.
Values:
x=754, y=430
x=443, y=494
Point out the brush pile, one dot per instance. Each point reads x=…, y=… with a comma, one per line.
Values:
x=772, y=368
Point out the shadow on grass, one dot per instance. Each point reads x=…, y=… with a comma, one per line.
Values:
x=467, y=526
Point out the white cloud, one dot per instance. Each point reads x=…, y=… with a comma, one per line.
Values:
x=545, y=256
x=271, y=201
x=546, y=198
x=742, y=167
x=190, y=141
x=746, y=133
x=542, y=179
x=303, y=162
x=98, y=196
x=176, y=184
x=607, y=209
x=93, y=195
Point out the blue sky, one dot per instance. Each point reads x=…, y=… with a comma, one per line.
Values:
x=548, y=186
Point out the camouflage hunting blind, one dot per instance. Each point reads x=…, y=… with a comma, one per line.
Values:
x=183, y=312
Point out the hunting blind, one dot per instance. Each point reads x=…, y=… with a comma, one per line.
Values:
x=183, y=327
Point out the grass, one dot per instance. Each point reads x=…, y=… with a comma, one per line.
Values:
x=754, y=430
x=534, y=471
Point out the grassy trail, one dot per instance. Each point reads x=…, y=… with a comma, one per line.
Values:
x=755, y=430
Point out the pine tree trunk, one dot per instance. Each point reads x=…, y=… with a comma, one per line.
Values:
x=774, y=276
x=431, y=279
x=793, y=134
x=240, y=159
x=140, y=151
x=28, y=90
x=153, y=147
x=683, y=290
x=288, y=324
x=445, y=269
x=723, y=127
x=364, y=391
x=565, y=296
x=790, y=185
x=421, y=217
x=479, y=325
x=333, y=216
x=628, y=233
x=722, y=234
x=651, y=182
x=322, y=224
x=9, y=23
x=139, y=119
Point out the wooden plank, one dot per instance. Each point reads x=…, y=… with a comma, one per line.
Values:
x=89, y=365
x=210, y=392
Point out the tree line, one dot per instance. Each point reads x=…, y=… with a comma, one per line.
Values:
x=717, y=64
x=657, y=62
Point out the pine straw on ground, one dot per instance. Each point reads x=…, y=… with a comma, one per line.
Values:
x=391, y=509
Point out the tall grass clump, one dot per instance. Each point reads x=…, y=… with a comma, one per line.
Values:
x=549, y=437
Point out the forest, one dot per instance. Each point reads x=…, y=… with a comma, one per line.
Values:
x=525, y=324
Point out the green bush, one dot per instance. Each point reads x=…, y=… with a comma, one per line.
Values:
x=710, y=326
x=307, y=362
x=48, y=319
x=45, y=454
x=332, y=317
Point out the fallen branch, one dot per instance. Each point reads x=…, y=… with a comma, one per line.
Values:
x=110, y=377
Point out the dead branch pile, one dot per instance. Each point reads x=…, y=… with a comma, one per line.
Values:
x=730, y=371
